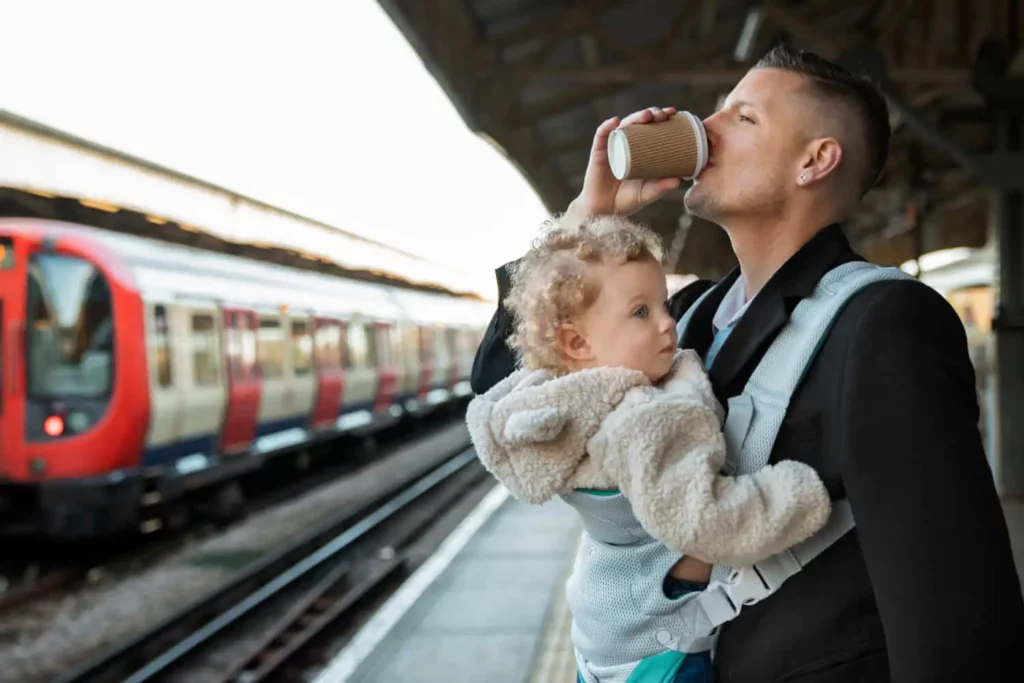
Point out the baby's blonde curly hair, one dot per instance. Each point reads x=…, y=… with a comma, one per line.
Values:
x=550, y=283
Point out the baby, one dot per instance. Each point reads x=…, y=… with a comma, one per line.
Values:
x=606, y=413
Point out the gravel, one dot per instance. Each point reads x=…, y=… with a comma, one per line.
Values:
x=51, y=637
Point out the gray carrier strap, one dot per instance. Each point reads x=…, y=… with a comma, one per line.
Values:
x=722, y=601
x=753, y=423
x=684, y=321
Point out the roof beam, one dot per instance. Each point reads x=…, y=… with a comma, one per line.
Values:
x=607, y=80
x=708, y=13
x=727, y=77
x=802, y=30
x=549, y=24
x=711, y=48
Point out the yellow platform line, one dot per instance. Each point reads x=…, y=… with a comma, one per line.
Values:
x=555, y=661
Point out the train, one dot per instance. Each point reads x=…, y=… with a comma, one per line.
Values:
x=135, y=372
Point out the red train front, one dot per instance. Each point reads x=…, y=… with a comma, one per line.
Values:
x=67, y=369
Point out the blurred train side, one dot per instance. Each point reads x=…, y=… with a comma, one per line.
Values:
x=136, y=372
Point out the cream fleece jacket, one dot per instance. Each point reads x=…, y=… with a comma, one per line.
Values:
x=662, y=446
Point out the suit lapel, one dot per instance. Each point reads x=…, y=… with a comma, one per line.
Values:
x=754, y=330
x=767, y=313
x=699, y=332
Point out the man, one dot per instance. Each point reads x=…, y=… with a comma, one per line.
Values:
x=924, y=588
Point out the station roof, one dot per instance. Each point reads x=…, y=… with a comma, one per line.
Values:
x=48, y=173
x=536, y=77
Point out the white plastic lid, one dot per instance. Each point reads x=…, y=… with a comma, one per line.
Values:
x=702, y=143
x=618, y=153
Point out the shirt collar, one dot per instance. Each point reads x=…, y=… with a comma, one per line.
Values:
x=733, y=305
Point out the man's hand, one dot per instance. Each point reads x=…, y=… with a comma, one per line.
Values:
x=602, y=192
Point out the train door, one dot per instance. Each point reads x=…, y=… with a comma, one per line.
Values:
x=275, y=393
x=330, y=373
x=360, y=366
x=443, y=362
x=12, y=370
x=243, y=402
x=452, y=335
x=202, y=382
x=387, y=373
x=302, y=368
x=411, y=365
x=164, y=385
x=406, y=342
x=455, y=356
x=427, y=360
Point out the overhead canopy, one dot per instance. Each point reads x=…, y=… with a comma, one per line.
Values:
x=48, y=173
x=537, y=77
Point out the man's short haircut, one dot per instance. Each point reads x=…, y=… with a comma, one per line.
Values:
x=832, y=84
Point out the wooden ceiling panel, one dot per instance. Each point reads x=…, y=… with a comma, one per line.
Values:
x=537, y=77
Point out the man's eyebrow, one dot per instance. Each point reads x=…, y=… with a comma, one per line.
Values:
x=737, y=103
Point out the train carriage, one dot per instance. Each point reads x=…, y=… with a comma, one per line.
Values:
x=134, y=371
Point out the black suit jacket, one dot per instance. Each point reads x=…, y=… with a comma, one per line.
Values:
x=924, y=589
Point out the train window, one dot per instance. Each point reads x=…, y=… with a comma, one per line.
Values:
x=412, y=341
x=391, y=342
x=70, y=328
x=426, y=346
x=161, y=342
x=356, y=342
x=6, y=253
x=203, y=346
x=346, y=355
x=452, y=339
x=270, y=348
x=328, y=345
x=382, y=337
x=441, y=349
x=302, y=348
x=371, y=346
x=247, y=335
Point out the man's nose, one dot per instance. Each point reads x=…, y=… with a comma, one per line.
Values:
x=711, y=129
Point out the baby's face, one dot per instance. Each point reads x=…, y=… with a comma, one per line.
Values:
x=628, y=325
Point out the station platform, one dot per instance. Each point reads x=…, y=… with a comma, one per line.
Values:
x=489, y=604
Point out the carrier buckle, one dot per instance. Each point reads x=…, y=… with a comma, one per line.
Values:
x=722, y=600
x=745, y=586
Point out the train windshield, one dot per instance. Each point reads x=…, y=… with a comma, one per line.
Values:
x=70, y=329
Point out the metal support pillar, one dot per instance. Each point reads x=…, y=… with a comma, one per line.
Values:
x=1008, y=324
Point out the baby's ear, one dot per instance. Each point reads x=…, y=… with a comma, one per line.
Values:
x=534, y=426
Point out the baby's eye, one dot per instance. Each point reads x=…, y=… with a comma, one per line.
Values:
x=641, y=311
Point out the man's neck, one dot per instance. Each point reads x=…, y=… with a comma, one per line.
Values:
x=764, y=247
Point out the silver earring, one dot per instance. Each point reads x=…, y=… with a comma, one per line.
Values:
x=803, y=178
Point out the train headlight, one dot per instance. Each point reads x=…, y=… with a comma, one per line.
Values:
x=78, y=420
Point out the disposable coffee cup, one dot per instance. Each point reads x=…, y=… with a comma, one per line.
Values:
x=674, y=148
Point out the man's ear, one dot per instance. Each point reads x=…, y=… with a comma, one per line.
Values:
x=573, y=342
x=821, y=160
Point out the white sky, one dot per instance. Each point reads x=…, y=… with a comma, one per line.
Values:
x=317, y=106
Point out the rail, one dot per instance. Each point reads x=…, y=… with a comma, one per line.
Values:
x=168, y=644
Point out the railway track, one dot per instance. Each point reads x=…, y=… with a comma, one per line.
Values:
x=116, y=557
x=265, y=619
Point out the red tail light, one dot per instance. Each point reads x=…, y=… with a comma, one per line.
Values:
x=53, y=425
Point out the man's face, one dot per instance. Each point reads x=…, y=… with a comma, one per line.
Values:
x=756, y=142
